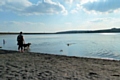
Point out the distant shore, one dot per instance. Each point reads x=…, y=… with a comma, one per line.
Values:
x=112, y=30
x=38, y=66
x=14, y=33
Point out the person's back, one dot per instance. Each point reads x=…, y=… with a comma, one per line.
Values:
x=20, y=38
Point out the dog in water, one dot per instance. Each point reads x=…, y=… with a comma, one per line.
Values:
x=26, y=46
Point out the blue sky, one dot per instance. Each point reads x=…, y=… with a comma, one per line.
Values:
x=58, y=15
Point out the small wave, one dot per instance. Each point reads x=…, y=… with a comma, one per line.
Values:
x=108, y=33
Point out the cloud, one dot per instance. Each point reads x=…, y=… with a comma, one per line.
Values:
x=86, y=1
x=74, y=11
x=69, y=1
x=46, y=6
x=102, y=23
x=27, y=8
x=14, y=5
x=101, y=5
x=99, y=20
x=22, y=26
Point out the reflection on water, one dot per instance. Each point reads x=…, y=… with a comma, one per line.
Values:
x=105, y=45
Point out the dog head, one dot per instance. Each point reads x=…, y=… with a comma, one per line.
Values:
x=29, y=44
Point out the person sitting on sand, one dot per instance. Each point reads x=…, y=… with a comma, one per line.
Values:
x=20, y=41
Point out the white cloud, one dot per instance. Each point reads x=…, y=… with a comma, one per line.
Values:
x=86, y=1
x=45, y=7
x=101, y=23
x=103, y=6
x=69, y=1
x=22, y=26
x=28, y=8
x=99, y=20
x=74, y=11
x=15, y=5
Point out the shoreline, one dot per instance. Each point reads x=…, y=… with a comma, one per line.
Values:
x=40, y=66
x=15, y=51
x=98, y=58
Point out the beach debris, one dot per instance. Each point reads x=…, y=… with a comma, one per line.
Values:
x=61, y=50
x=68, y=44
x=92, y=73
x=3, y=41
x=116, y=75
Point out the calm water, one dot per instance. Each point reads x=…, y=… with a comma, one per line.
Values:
x=105, y=45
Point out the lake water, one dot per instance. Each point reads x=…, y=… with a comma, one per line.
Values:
x=100, y=45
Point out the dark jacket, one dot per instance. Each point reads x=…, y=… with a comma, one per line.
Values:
x=20, y=39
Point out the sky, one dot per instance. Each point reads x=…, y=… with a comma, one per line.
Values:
x=58, y=15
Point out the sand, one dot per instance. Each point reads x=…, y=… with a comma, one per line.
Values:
x=38, y=66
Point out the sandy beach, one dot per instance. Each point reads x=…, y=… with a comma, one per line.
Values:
x=38, y=66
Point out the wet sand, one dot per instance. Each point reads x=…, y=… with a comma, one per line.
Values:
x=37, y=66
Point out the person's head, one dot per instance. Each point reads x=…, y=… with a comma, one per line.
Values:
x=21, y=32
